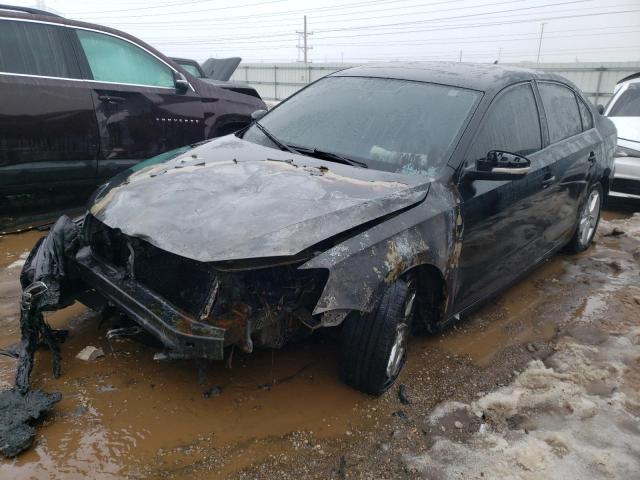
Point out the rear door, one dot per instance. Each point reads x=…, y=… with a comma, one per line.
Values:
x=503, y=220
x=574, y=146
x=138, y=109
x=48, y=131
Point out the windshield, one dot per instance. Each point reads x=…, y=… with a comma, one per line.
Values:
x=393, y=125
x=628, y=104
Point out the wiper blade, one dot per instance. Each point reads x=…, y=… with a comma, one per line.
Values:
x=279, y=144
x=335, y=157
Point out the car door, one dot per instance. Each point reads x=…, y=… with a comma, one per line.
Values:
x=572, y=152
x=48, y=131
x=503, y=221
x=139, y=110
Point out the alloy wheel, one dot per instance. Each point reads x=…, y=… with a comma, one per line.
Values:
x=589, y=217
x=399, y=347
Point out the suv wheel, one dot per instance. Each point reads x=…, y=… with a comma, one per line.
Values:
x=374, y=345
x=587, y=221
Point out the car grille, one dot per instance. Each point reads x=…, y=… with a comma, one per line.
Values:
x=626, y=185
x=181, y=281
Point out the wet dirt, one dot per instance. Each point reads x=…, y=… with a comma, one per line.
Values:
x=279, y=413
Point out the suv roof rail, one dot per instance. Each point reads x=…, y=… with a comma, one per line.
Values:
x=33, y=11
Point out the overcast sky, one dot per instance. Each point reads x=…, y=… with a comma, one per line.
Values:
x=370, y=30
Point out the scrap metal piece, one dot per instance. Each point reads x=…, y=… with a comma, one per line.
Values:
x=211, y=299
x=124, y=332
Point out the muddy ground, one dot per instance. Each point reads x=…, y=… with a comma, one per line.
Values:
x=472, y=408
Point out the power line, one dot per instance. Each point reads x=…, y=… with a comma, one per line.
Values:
x=286, y=12
x=455, y=17
x=483, y=39
x=258, y=39
x=398, y=24
x=173, y=4
x=198, y=11
x=452, y=41
x=347, y=14
x=527, y=20
x=266, y=34
x=454, y=45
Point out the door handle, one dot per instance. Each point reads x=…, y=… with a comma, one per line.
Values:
x=548, y=181
x=592, y=157
x=111, y=99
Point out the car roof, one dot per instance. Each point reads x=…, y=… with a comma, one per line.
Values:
x=476, y=76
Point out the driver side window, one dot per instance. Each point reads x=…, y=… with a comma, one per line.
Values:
x=511, y=124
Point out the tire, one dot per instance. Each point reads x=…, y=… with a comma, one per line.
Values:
x=588, y=220
x=374, y=345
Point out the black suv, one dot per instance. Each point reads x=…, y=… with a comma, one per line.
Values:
x=79, y=102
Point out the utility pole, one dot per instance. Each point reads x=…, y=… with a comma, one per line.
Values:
x=305, y=39
x=540, y=41
x=305, y=46
x=460, y=58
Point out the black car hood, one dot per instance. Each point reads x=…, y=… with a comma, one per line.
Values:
x=230, y=199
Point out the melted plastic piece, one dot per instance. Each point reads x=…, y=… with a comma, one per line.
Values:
x=45, y=284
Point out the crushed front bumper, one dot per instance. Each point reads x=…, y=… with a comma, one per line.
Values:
x=181, y=334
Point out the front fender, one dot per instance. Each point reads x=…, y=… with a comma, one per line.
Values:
x=362, y=266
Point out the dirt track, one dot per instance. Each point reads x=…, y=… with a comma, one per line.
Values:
x=284, y=414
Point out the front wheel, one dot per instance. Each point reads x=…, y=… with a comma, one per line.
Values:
x=587, y=221
x=374, y=345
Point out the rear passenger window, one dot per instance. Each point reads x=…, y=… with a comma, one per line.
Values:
x=585, y=114
x=561, y=108
x=512, y=124
x=118, y=61
x=36, y=49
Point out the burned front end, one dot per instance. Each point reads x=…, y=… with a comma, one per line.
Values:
x=197, y=309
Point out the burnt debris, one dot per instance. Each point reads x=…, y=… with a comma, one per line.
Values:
x=45, y=286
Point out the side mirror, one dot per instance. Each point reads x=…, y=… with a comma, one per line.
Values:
x=499, y=165
x=258, y=114
x=181, y=83
x=600, y=109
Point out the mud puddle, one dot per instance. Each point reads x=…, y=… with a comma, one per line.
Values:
x=126, y=415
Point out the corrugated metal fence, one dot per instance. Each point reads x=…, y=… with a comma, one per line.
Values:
x=276, y=82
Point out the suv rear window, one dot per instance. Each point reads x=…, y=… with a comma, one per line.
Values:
x=118, y=61
x=627, y=104
x=561, y=108
x=36, y=49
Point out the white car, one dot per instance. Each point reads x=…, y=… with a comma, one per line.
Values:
x=624, y=111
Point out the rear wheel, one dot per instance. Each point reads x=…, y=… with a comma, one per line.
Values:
x=587, y=221
x=374, y=345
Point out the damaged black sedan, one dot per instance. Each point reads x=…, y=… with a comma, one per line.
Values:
x=382, y=199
